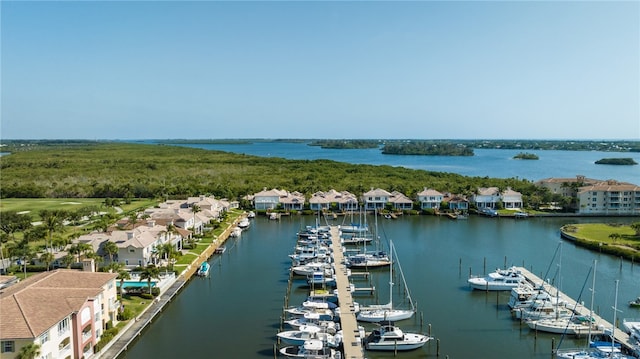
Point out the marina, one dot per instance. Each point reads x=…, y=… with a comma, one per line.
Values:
x=437, y=257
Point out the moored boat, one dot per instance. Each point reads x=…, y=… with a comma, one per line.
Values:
x=391, y=338
x=500, y=279
x=203, y=271
x=314, y=349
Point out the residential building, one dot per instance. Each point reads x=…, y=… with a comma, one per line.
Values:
x=275, y=198
x=511, y=199
x=486, y=197
x=65, y=312
x=268, y=199
x=430, y=199
x=375, y=199
x=400, y=202
x=457, y=203
x=567, y=187
x=343, y=201
x=609, y=198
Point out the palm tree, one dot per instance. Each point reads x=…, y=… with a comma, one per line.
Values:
x=30, y=351
x=48, y=258
x=150, y=272
x=52, y=221
x=111, y=248
x=123, y=275
x=195, y=208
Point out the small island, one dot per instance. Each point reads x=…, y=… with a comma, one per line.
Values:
x=617, y=161
x=426, y=149
x=525, y=156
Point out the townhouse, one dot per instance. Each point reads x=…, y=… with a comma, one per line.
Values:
x=65, y=312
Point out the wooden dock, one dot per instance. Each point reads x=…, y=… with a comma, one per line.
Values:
x=620, y=336
x=351, y=337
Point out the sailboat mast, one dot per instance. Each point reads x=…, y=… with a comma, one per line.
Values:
x=391, y=275
x=593, y=292
x=613, y=326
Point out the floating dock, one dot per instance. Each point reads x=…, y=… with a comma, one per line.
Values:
x=620, y=336
x=351, y=338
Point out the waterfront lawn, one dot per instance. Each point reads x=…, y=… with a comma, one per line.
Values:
x=135, y=304
x=613, y=238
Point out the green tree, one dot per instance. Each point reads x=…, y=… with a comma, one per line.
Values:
x=52, y=221
x=195, y=209
x=29, y=351
x=10, y=223
x=636, y=227
x=615, y=236
x=47, y=258
x=111, y=249
x=149, y=273
x=123, y=275
x=67, y=260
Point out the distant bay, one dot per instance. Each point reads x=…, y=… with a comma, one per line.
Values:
x=495, y=163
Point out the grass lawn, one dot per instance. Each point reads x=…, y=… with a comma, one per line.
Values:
x=34, y=205
x=597, y=236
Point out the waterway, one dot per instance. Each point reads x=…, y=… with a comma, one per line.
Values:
x=235, y=312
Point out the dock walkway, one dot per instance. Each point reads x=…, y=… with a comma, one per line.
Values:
x=351, y=337
x=620, y=336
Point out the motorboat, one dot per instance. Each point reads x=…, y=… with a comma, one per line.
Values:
x=251, y=214
x=311, y=349
x=325, y=278
x=500, y=279
x=244, y=223
x=316, y=319
x=635, y=303
x=391, y=338
x=203, y=270
x=308, y=332
x=236, y=232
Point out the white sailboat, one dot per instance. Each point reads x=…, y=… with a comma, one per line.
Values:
x=387, y=312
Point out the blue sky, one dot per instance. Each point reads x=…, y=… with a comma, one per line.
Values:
x=420, y=69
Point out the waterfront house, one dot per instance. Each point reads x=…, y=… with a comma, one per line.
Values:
x=65, y=312
x=268, y=199
x=609, y=198
x=400, y=201
x=511, y=199
x=457, y=203
x=375, y=199
x=343, y=201
x=292, y=201
x=486, y=197
x=430, y=199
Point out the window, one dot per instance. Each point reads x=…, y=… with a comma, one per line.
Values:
x=44, y=337
x=8, y=346
x=63, y=326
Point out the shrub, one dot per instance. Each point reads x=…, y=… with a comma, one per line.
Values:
x=155, y=291
x=125, y=314
x=146, y=296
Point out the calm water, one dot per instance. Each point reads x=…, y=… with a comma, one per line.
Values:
x=485, y=162
x=235, y=312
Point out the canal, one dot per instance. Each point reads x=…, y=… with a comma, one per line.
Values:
x=235, y=312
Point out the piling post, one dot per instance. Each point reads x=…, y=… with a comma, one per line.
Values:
x=484, y=266
x=553, y=346
x=469, y=272
x=505, y=262
x=460, y=266
x=421, y=320
x=429, y=331
x=437, y=347
x=275, y=351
